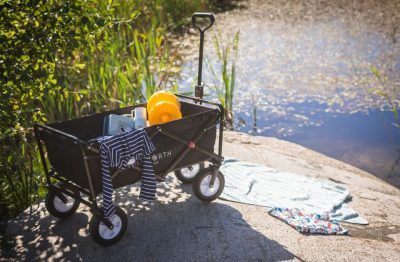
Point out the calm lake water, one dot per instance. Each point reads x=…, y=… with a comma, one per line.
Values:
x=304, y=75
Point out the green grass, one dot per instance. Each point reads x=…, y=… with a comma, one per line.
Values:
x=20, y=182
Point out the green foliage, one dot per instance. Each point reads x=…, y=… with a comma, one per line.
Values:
x=137, y=61
x=40, y=43
x=20, y=178
x=224, y=83
x=37, y=40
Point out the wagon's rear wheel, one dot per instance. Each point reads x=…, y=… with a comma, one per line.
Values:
x=59, y=208
x=105, y=236
x=188, y=174
x=201, y=185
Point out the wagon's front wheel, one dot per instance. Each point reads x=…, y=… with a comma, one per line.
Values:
x=58, y=207
x=187, y=174
x=104, y=235
x=202, y=188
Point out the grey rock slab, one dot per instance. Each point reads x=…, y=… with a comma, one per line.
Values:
x=179, y=227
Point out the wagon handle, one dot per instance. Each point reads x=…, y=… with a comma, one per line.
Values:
x=199, y=87
x=210, y=16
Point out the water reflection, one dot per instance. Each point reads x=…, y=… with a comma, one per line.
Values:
x=304, y=70
x=367, y=140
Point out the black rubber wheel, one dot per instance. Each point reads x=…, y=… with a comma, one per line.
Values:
x=105, y=236
x=187, y=174
x=57, y=207
x=201, y=184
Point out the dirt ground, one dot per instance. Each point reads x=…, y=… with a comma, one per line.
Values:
x=179, y=227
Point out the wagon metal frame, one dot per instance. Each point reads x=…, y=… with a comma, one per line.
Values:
x=215, y=159
x=70, y=148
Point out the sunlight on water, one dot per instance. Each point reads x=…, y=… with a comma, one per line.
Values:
x=305, y=70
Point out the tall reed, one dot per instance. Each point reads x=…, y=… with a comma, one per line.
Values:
x=389, y=92
x=224, y=83
x=19, y=176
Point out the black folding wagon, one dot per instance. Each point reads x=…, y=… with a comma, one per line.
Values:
x=183, y=146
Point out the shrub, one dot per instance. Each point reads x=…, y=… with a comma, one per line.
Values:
x=41, y=42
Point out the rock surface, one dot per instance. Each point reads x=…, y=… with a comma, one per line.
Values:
x=181, y=228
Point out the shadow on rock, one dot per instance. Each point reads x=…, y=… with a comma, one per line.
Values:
x=178, y=227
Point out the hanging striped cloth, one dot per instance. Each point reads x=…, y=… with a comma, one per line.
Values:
x=121, y=151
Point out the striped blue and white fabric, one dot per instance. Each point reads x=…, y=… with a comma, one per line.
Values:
x=121, y=151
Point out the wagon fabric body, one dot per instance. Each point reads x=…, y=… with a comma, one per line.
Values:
x=74, y=155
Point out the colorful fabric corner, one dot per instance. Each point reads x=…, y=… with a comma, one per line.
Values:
x=309, y=223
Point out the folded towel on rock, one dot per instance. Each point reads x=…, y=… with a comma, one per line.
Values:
x=260, y=185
